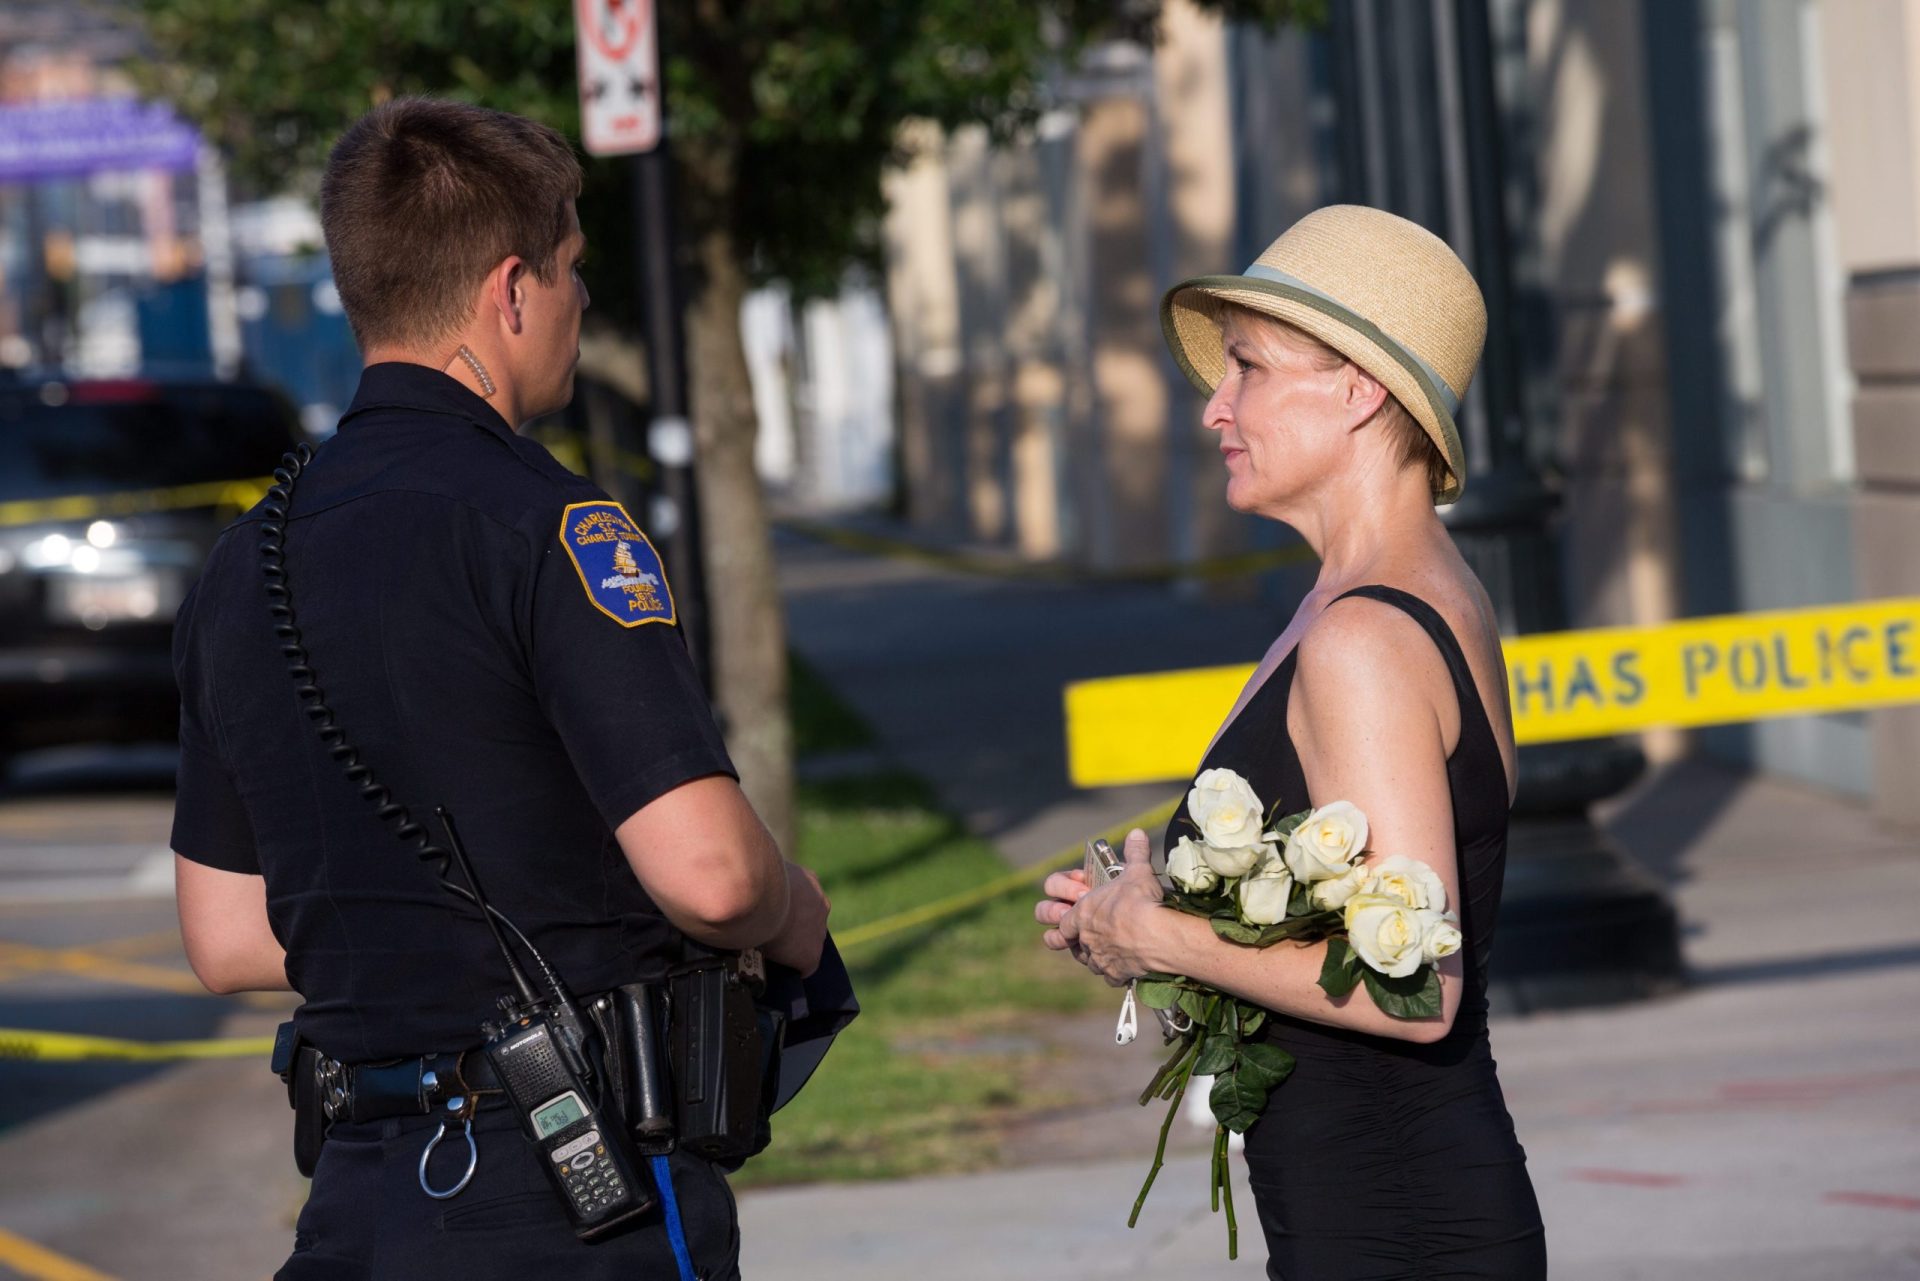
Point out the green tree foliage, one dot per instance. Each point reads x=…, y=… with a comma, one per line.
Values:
x=782, y=116
x=803, y=97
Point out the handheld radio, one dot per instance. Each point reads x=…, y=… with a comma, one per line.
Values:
x=543, y=1051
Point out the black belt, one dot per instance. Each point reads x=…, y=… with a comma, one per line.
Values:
x=403, y=1087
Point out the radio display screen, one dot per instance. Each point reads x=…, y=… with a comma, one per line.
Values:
x=558, y=1115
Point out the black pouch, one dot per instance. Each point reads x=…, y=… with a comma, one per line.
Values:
x=298, y=1065
x=717, y=1057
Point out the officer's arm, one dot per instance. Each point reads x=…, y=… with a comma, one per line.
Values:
x=709, y=863
x=223, y=922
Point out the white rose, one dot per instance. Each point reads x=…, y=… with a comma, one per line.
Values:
x=1442, y=937
x=1388, y=935
x=1225, y=809
x=1263, y=896
x=1188, y=870
x=1332, y=895
x=1325, y=845
x=1237, y=862
x=1412, y=882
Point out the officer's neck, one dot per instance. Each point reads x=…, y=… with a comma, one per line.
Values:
x=490, y=380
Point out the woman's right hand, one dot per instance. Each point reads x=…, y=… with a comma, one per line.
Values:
x=1063, y=890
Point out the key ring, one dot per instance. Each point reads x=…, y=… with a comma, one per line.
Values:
x=473, y=1151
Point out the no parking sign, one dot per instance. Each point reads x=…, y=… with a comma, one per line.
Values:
x=619, y=59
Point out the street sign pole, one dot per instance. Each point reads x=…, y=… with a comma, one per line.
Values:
x=623, y=113
x=670, y=435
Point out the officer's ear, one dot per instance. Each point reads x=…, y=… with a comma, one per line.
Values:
x=506, y=290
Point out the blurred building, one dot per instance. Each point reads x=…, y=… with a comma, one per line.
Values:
x=113, y=252
x=121, y=255
x=1697, y=222
x=823, y=395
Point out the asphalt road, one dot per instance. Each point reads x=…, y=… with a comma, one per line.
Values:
x=174, y=1171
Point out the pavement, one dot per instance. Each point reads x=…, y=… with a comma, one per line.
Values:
x=1761, y=1124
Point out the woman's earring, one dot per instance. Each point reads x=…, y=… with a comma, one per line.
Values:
x=479, y=371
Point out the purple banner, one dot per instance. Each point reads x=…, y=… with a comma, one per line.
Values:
x=40, y=140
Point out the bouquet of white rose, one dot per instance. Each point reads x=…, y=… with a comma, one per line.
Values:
x=1262, y=881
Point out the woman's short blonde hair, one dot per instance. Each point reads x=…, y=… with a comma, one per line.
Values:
x=1412, y=446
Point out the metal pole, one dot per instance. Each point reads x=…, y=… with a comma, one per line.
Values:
x=676, y=511
x=1486, y=181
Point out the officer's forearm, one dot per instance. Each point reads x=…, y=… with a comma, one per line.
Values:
x=231, y=972
x=225, y=930
x=758, y=913
x=709, y=863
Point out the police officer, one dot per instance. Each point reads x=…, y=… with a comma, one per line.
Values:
x=494, y=635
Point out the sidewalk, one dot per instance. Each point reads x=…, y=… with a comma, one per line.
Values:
x=1762, y=1125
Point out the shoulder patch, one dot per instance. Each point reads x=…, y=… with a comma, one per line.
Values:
x=618, y=566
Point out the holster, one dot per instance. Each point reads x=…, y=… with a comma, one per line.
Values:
x=298, y=1065
x=717, y=1053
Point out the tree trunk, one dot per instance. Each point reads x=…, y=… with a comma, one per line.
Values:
x=609, y=391
x=749, y=633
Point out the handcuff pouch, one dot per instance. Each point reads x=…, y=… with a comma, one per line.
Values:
x=297, y=1063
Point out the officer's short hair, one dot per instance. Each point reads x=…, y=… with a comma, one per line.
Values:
x=422, y=197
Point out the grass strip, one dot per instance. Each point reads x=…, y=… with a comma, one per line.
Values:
x=921, y=1080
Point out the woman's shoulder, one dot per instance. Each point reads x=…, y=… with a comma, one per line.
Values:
x=1359, y=641
x=1443, y=584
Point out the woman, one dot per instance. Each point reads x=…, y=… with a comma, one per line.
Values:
x=1334, y=366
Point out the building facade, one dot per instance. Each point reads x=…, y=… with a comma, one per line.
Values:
x=1697, y=223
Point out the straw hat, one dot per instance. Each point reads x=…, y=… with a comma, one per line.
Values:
x=1386, y=293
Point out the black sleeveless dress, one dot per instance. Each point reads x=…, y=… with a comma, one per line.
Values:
x=1380, y=1158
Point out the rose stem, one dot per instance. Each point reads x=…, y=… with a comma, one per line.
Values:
x=1166, y=1069
x=1226, y=1189
x=1159, y=1153
x=1214, y=1179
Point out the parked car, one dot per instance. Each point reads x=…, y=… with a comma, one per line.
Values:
x=111, y=494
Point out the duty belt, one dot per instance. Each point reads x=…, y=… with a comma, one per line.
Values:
x=406, y=1087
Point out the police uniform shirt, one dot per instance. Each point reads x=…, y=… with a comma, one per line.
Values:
x=494, y=635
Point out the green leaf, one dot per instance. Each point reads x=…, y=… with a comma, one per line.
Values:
x=1298, y=927
x=1417, y=996
x=1237, y=1100
x=1300, y=901
x=1236, y=931
x=1192, y=904
x=1194, y=1005
x=1217, y=1055
x=1286, y=826
x=1252, y=1019
x=1341, y=970
x=1156, y=994
x=1264, y=1064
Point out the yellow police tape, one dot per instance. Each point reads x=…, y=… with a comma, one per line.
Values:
x=233, y=495
x=985, y=566
x=237, y=496
x=1023, y=878
x=24, y=1044
x=27, y=1045
x=1563, y=685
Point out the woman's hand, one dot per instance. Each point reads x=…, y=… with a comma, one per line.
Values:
x=1110, y=928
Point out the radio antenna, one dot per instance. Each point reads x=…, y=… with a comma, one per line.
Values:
x=520, y=979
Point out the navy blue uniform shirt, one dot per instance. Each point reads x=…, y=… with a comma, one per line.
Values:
x=496, y=636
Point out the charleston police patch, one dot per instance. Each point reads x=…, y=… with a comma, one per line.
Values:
x=617, y=565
